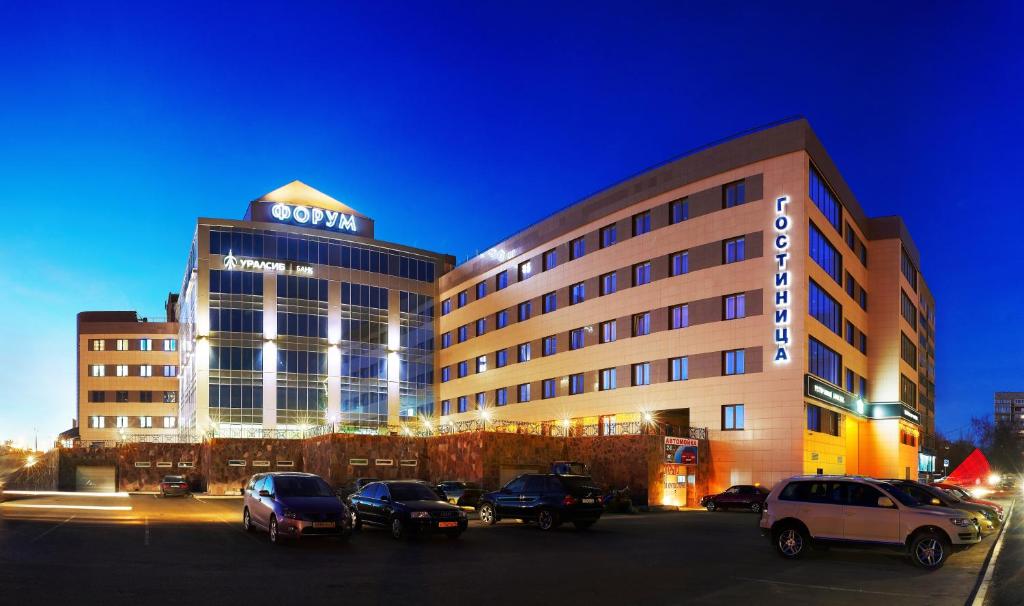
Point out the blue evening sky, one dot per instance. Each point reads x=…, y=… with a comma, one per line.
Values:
x=121, y=123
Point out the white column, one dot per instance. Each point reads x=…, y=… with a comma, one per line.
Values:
x=394, y=339
x=269, y=350
x=333, y=352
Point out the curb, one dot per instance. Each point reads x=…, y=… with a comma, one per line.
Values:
x=980, y=591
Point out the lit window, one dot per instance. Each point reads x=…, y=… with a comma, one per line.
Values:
x=578, y=293
x=446, y=407
x=607, y=381
x=642, y=273
x=679, y=369
x=733, y=417
x=170, y=422
x=500, y=358
x=824, y=254
x=577, y=248
x=525, y=270
x=642, y=374
x=548, y=389
x=678, y=211
x=122, y=422
x=641, y=223
x=146, y=370
x=501, y=280
x=549, y=302
x=735, y=362
x=550, y=346
x=146, y=344
x=735, y=307
x=575, y=384
x=609, y=283
x=575, y=338
x=481, y=364
x=481, y=401
x=523, y=352
x=170, y=371
x=608, y=331
x=97, y=422
x=679, y=316
x=121, y=345
x=641, y=324
x=170, y=345
x=735, y=250
x=679, y=263
x=97, y=345
x=145, y=422
x=609, y=235
x=523, y=392
x=550, y=259
x=97, y=370
x=734, y=194
x=121, y=370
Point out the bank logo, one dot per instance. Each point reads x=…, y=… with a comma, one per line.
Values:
x=230, y=261
x=316, y=217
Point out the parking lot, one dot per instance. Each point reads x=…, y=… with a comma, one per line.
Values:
x=85, y=549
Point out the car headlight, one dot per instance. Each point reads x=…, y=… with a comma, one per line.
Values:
x=291, y=515
x=960, y=522
x=420, y=514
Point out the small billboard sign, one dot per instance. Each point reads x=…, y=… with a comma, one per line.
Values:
x=682, y=451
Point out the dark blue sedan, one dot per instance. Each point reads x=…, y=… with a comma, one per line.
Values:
x=548, y=499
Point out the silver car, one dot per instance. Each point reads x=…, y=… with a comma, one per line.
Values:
x=292, y=505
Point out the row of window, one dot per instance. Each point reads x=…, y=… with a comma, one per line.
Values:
x=828, y=203
x=145, y=344
x=733, y=194
x=145, y=397
x=123, y=422
x=132, y=370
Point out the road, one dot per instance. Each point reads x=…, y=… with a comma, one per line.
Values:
x=141, y=549
x=1007, y=586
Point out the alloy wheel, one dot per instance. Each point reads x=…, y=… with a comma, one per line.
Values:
x=545, y=520
x=487, y=514
x=929, y=552
x=755, y=507
x=790, y=542
x=273, y=530
x=246, y=520
x=397, y=528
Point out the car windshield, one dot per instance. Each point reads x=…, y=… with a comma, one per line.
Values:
x=173, y=479
x=962, y=493
x=301, y=486
x=410, y=491
x=901, y=496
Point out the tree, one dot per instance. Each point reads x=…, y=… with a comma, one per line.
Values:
x=954, y=450
x=999, y=443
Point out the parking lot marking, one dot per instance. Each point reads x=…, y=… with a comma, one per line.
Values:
x=93, y=507
x=986, y=581
x=59, y=493
x=828, y=587
x=52, y=528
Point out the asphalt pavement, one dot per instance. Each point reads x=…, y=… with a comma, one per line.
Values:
x=141, y=549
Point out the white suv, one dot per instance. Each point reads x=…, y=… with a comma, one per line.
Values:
x=862, y=511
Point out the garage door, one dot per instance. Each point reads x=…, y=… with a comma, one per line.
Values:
x=95, y=479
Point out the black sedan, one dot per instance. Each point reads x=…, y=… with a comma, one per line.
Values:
x=406, y=508
x=743, y=496
x=174, y=486
x=463, y=494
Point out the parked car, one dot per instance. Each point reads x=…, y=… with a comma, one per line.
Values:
x=548, y=499
x=985, y=516
x=963, y=494
x=743, y=496
x=293, y=505
x=174, y=486
x=406, y=507
x=355, y=485
x=463, y=494
x=822, y=510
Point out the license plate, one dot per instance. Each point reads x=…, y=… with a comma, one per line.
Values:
x=447, y=524
x=588, y=500
x=323, y=524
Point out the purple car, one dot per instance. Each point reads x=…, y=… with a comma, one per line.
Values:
x=292, y=505
x=743, y=496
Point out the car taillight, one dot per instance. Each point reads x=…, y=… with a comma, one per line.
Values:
x=569, y=500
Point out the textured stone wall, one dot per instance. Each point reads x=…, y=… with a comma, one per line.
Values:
x=71, y=458
x=332, y=457
x=139, y=479
x=41, y=476
x=223, y=478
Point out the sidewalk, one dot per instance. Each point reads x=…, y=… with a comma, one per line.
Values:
x=1007, y=585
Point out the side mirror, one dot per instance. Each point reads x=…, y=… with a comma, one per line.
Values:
x=886, y=502
x=264, y=493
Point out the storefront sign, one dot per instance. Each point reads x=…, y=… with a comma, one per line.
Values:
x=231, y=262
x=830, y=394
x=782, y=293
x=682, y=451
x=895, y=410
x=313, y=217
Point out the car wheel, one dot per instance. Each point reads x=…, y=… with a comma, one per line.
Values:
x=357, y=524
x=929, y=550
x=583, y=525
x=488, y=515
x=711, y=506
x=397, y=528
x=274, y=537
x=755, y=507
x=546, y=519
x=791, y=542
x=246, y=520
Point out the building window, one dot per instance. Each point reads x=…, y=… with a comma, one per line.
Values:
x=734, y=194
x=501, y=396
x=481, y=327
x=908, y=268
x=501, y=319
x=550, y=346
x=121, y=344
x=462, y=369
x=576, y=339
x=121, y=370
x=146, y=370
x=145, y=344
x=826, y=201
x=523, y=352
x=97, y=422
x=481, y=401
x=908, y=309
x=525, y=270
x=550, y=259
x=851, y=286
x=97, y=396
x=170, y=370
x=549, y=389
x=446, y=407
x=735, y=250
x=462, y=298
x=501, y=280
x=145, y=422
x=481, y=364
x=446, y=340
x=525, y=309
x=824, y=308
x=575, y=384
x=826, y=255
x=641, y=223
x=823, y=420
x=679, y=263
x=121, y=422
x=608, y=331
x=862, y=344
x=607, y=381
x=121, y=396
x=549, y=303
x=823, y=362
x=501, y=358
x=679, y=369
x=734, y=362
x=641, y=374
x=146, y=397
x=97, y=370
x=862, y=299
x=735, y=306
x=170, y=345
x=578, y=293
x=463, y=404
x=170, y=397
x=849, y=381
x=678, y=211
x=679, y=316
x=523, y=392
x=481, y=290
x=609, y=235
x=446, y=374
x=446, y=307
x=733, y=417
x=863, y=391
x=642, y=324
x=642, y=273
x=609, y=283
x=908, y=351
x=577, y=248
x=463, y=332
x=851, y=332
x=170, y=422
x=97, y=345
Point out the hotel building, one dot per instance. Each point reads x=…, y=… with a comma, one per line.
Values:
x=127, y=376
x=295, y=316
x=740, y=288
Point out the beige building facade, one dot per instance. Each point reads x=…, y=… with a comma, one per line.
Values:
x=740, y=289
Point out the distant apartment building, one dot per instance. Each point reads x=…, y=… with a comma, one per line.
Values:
x=1009, y=410
x=127, y=376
